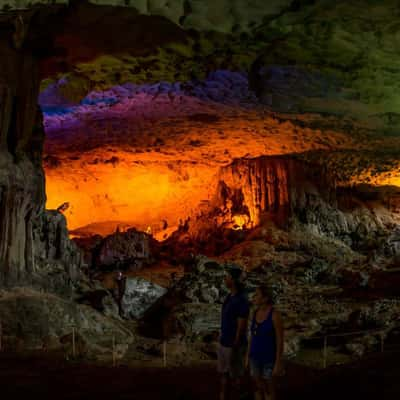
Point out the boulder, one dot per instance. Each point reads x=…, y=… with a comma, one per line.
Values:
x=121, y=249
x=34, y=320
x=139, y=296
x=356, y=349
x=195, y=320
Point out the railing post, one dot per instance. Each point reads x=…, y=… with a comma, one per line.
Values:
x=73, y=342
x=325, y=351
x=165, y=353
x=113, y=351
x=382, y=342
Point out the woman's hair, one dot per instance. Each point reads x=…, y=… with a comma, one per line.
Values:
x=266, y=292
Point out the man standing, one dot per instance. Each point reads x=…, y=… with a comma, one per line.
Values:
x=233, y=338
x=119, y=291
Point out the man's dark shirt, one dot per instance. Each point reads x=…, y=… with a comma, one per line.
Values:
x=120, y=286
x=234, y=307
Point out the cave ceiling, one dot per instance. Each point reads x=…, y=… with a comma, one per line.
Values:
x=163, y=93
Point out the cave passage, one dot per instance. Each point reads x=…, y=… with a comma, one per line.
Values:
x=138, y=129
x=150, y=156
x=146, y=155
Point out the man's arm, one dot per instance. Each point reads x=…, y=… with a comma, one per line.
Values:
x=242, y=320
x=241, y=329
x=279, y=334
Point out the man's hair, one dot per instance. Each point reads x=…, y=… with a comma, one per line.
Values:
x=237, y=274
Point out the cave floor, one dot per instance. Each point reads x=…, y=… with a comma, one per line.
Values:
x=374, y=377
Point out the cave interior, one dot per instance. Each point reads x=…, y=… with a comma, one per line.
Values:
x=170, y=140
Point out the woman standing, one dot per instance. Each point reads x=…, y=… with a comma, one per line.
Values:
x=265, y=349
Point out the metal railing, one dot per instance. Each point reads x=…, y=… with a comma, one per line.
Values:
x=74, y=332
x=380, y=332
x=113, y=345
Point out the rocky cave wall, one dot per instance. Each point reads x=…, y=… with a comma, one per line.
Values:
x=208, y=123
x=35, y=53
x=275, y=186
x=34, y=44
x=34, y=242
x=221, y=15
x=31, y=239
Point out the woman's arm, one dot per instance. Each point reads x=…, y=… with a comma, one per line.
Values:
x=279, y=334
x=247, y=359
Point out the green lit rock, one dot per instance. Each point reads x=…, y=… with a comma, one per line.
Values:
x=345, y=58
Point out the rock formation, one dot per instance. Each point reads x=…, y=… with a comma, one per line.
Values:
x=257, y=133
x=130, y=248
x=37, y=321
x=32, y=241
x=222, y=15
x=273, y=185
x=140, y=296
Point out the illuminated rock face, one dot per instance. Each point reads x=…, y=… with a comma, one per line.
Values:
x=149, y=155
x=196, y=153
x=271, y=187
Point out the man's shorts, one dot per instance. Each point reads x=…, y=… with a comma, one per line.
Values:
x=259, y=369
x=231, y=361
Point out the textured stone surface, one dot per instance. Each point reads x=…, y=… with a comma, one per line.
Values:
x=326, y=61
x=140, y=295
x=309, y=307
x=192, y=129
x=221, y=15
x=305, y=57
x=31, y=241
x=170, y=140
x=57, y=260
x=272, y=185
x=33, y=320
x=123, y=249
x=21, y=179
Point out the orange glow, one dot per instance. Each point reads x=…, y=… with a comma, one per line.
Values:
x=152, y=187
x=239, y=222
x=151, y=196
x=384, y=178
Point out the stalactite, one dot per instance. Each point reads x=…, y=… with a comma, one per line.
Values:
x=25, y=228
x=270, y=185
